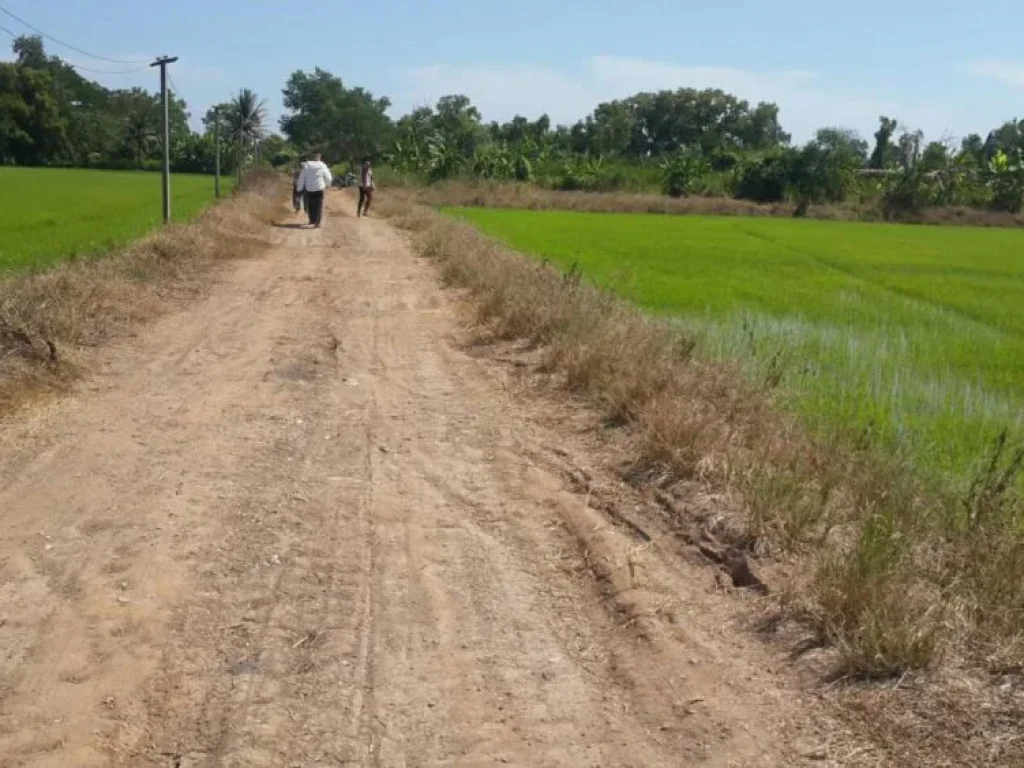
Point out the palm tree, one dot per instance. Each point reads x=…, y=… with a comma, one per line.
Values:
x=244, y=121
x=139, y=125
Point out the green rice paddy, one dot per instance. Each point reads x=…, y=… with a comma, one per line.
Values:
x=912, y=334
x=49, y=215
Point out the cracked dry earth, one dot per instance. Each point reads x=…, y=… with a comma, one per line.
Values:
x=298, y=523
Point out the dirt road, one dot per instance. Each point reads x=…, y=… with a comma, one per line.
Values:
x=299, y=524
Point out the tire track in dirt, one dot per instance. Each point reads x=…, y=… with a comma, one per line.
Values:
x=297, y=524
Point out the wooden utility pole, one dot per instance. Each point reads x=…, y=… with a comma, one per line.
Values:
x=216, y=142
x=162, y=62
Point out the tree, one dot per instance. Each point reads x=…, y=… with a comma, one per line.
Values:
x=908, y=148
x=458, y=121
x=193, y=153
x=658, y=124
x=935, y=157
x=243, y=123
x=64, y=119
x=278, y=151
x=765, y=178
x=30, y=52
x=825, y=169
x=972, y=149
x=246, y=117
x=612, y=129
x=139, y=120
x=844, y=143
x=15, y=141
x=32, y=129
x=882, y=155
x=345, y=124
x=1007, y=138
x=442, y=142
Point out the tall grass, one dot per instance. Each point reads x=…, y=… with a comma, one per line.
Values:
x=889, y=570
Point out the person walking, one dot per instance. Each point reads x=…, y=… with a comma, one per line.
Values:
x=366, y=187
x=314, y=179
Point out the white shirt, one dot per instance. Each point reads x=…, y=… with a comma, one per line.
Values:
x=315, y=177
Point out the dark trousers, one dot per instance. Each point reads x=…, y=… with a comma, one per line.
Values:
x=365, y=198
x=315, y=206
x=298, y=198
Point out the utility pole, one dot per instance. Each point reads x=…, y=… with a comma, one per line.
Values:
x=162, y=62
x=216, y=142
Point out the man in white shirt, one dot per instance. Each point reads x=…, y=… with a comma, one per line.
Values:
x=314, y=179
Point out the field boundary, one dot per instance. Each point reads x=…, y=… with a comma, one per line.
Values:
x=48, y=318
x=531, y=197
x=875, y=576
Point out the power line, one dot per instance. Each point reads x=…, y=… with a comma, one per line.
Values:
x=174, y=86
x=108, y=72
x=68, y=45
x=86, y=69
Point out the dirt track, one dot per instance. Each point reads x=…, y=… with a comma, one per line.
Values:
x=299, y=524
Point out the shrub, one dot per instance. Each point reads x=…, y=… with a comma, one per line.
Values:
x=906, y=192
x=764, y=179
x=818, y=175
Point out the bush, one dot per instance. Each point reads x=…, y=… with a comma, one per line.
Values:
x=764, y=179
x=585, y=174
x=818, y=175
x=906, y=192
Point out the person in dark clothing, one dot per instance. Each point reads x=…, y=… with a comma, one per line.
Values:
x=366, y=187
x=298, y=196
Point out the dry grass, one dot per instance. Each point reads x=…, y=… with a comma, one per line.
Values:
x=527, y=196
x=47, y=318
x=890, y=573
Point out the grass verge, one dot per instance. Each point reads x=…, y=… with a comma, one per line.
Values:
x=46, y=317
x=886, y=569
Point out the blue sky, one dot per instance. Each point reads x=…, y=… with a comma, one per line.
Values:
x=948, y=68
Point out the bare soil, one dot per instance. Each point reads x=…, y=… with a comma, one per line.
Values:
x=303, y=522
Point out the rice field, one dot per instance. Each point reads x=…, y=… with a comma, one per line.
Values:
x=49, y=215
x=911, y=335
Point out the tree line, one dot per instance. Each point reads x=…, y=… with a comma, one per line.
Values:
x=51, y=115
x=684, y=142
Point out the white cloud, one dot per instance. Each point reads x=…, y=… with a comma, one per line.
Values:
x=1007, y=72
x=806, y=100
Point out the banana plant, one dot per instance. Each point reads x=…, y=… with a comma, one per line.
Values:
x=1006, y=176
x=444, y=157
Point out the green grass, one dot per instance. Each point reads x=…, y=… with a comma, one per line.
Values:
x=912, y=334
x=50, y=215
